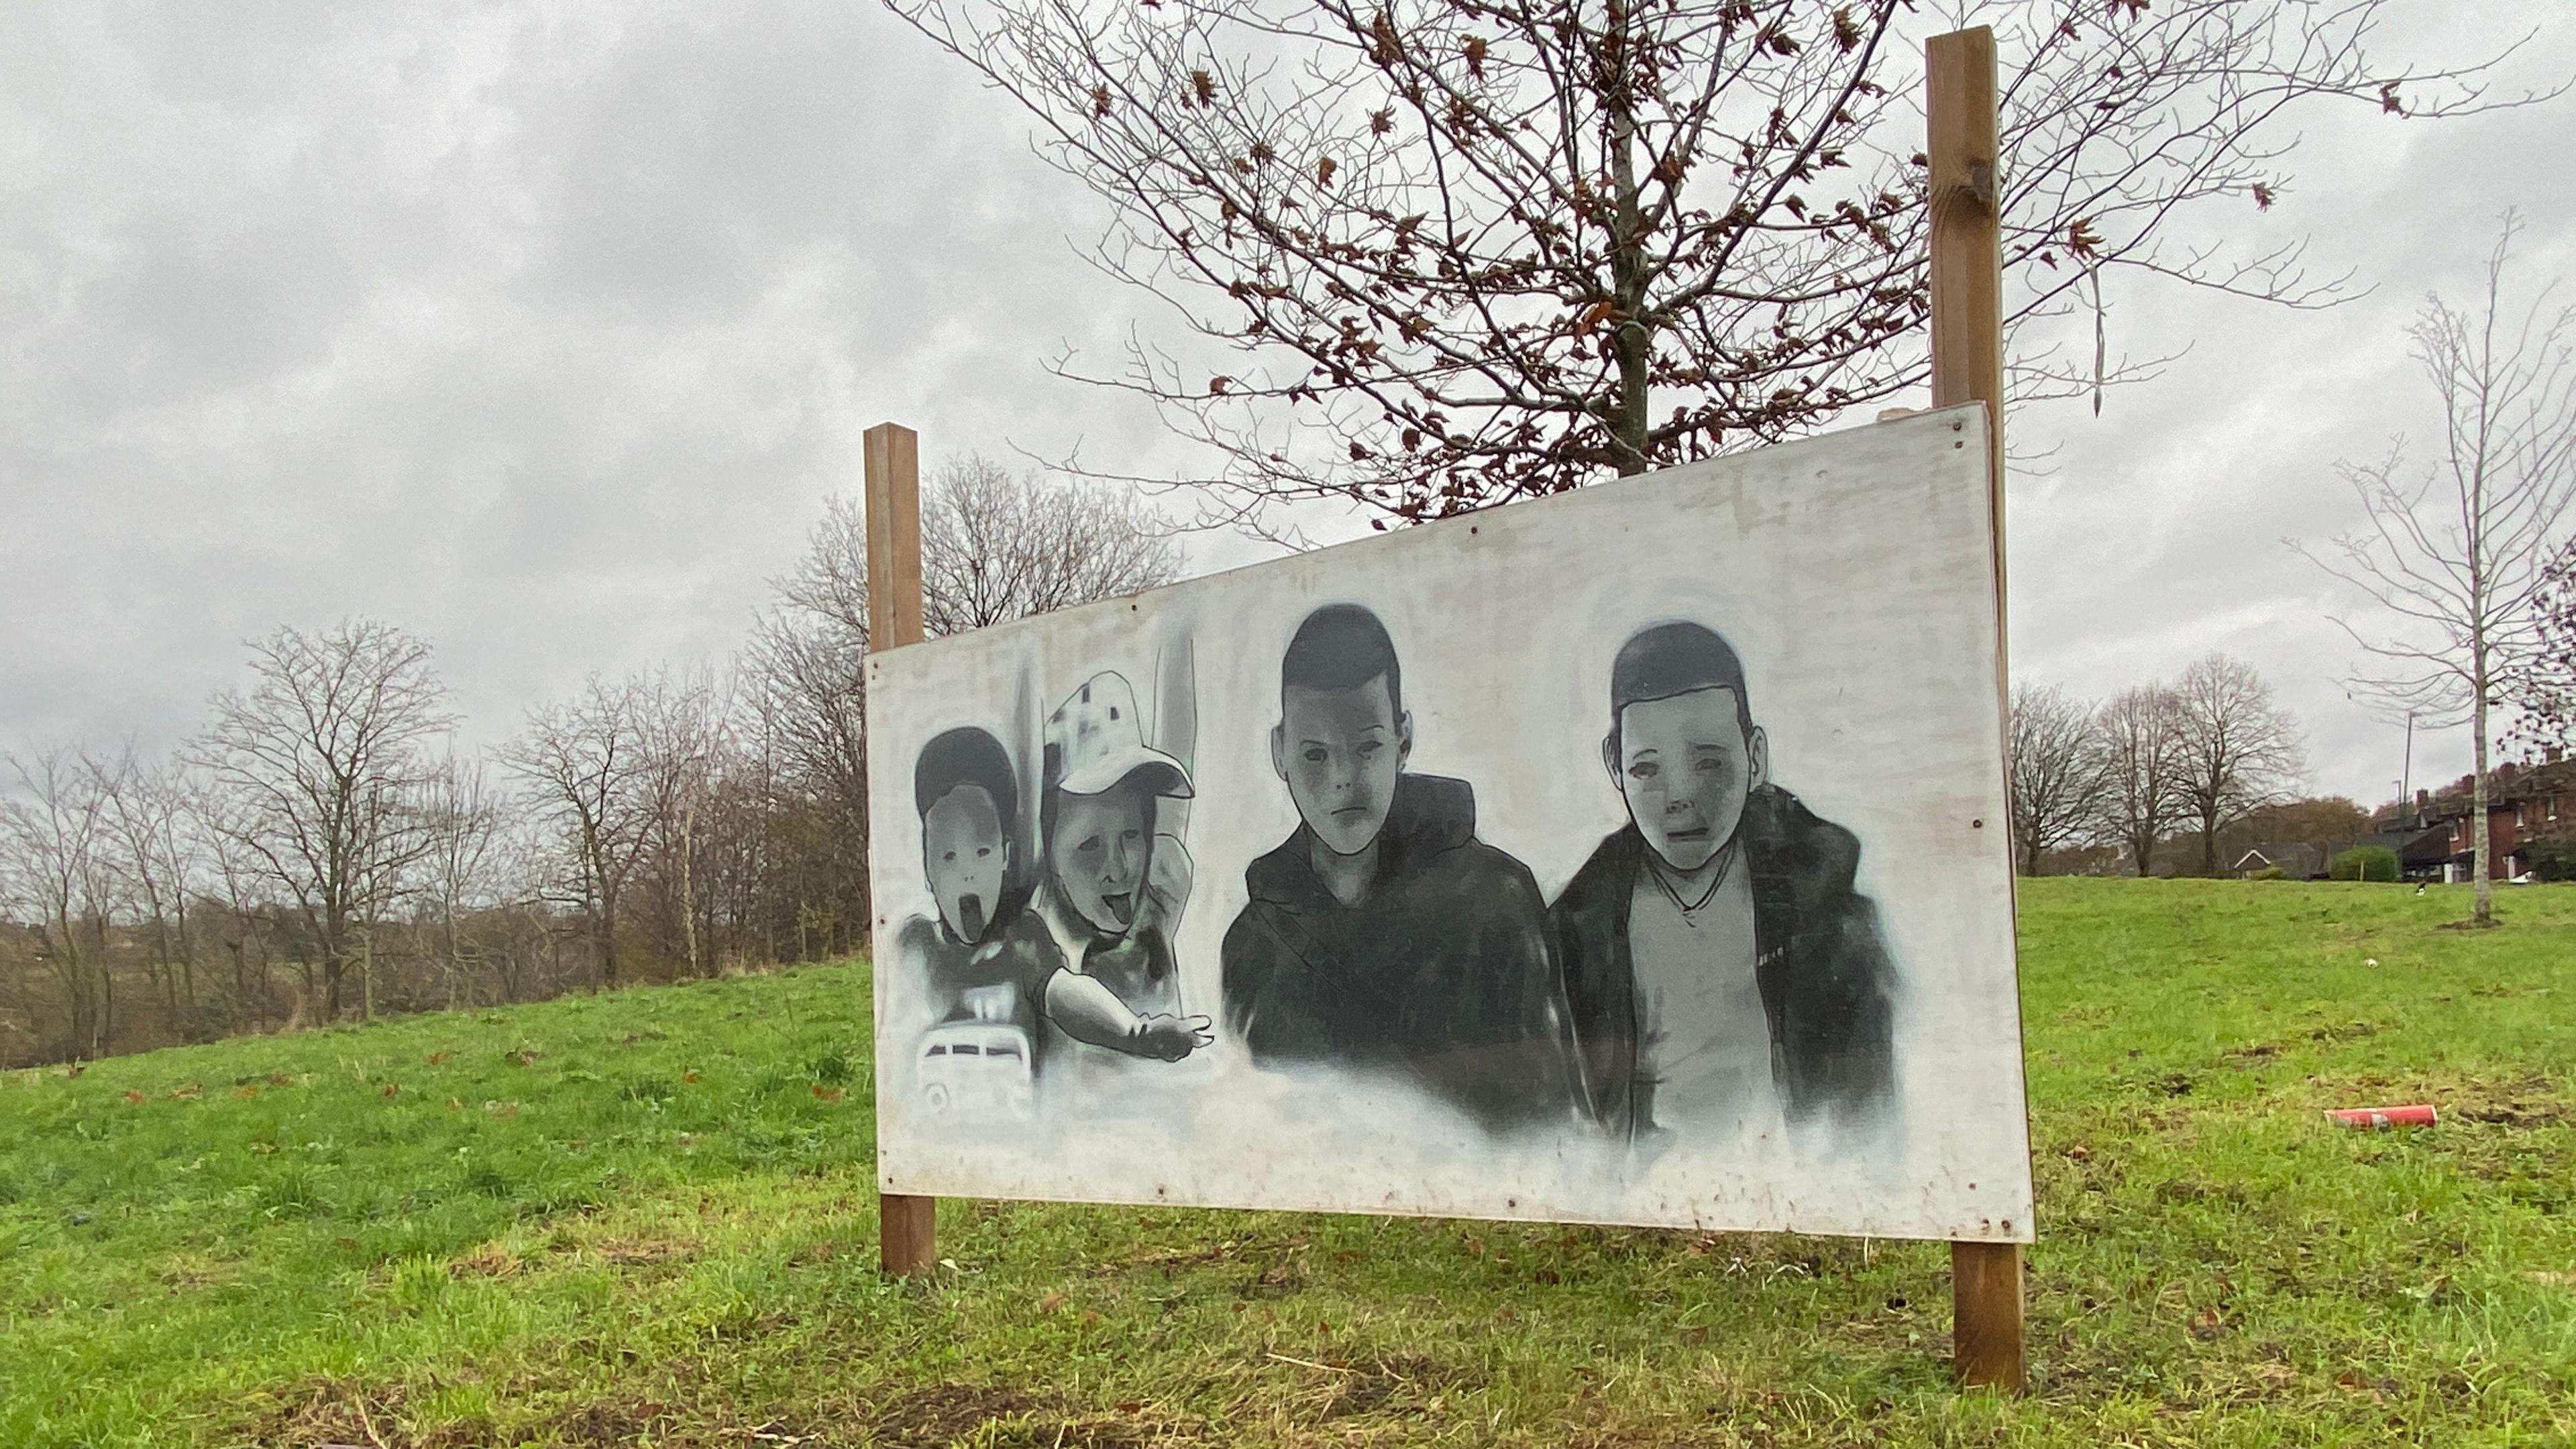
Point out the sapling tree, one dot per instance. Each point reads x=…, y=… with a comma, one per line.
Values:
x=1442, y=254
x=2457, y=557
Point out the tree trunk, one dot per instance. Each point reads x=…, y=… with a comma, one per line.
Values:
x=605, y=944
x=189, y=1006
x=187, y=976
x=2480, y=867
x=1631, y=343
x=79, y=1010
x=169, y=974
x=688, y=883
x=455, y=955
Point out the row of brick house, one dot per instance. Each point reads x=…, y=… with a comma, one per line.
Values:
x=2435, y=840
x=2432, y=836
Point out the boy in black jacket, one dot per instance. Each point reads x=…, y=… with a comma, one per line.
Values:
x=1383, y=935
x=1723, y=973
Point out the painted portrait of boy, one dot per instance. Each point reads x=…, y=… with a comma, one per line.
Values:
x=1117, y=874
x=1383, y=934
x=1724, y=973
x=982, y=957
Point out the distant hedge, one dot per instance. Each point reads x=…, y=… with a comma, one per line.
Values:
x=2364, y=862
x=2552, y=857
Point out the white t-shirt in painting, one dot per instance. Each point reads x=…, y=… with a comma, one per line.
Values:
x=1703, y=1044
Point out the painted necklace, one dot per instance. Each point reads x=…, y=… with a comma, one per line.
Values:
x=1690, y=909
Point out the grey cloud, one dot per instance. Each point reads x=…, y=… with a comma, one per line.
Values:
x=2158, y=533
x=543, y=330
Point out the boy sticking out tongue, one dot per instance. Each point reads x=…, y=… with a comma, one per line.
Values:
x=985, y=956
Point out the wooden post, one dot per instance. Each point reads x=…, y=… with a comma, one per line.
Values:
x=1968, y=366
x=907, y=1226
x=1967, y=244
x=894, y=536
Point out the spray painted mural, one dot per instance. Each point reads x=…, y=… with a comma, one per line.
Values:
x=1632, y=856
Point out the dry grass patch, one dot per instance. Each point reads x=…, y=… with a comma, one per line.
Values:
x=989, y=1416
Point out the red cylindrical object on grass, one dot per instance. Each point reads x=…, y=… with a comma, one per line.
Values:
x=2381, y=1118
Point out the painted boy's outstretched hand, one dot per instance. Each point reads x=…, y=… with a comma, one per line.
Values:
x=1091, y=1012
x=1170, y=1038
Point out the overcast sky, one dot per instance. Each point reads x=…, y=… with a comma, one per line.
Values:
x=543, y=330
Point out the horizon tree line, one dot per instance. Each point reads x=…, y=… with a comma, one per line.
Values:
x=2166, y=764
x=326, y=848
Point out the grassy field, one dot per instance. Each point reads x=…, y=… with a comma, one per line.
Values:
x=648, y=1218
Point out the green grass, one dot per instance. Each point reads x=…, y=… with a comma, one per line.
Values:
x=649, y=1218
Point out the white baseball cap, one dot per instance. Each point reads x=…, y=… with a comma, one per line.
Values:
x=1096, y=739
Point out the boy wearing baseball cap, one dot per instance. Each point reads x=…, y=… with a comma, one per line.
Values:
x=983, y=955
x=1383, y=935
x=1724, y=973
x=1116, y=879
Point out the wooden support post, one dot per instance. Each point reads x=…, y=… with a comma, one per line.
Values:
x=1967, y=244
x=1968, y=366
x=1985, y=1315
x=907, y=1226
x=894, y=536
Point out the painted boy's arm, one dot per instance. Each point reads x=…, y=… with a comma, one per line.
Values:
x=1089, y=1011
x=1167, y=885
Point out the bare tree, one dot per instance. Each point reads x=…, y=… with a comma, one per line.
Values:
x=465, y=869
x=681, y=733
x=996, y=545
x=2060, y=773
x=56, y=858
x=2141, y=735
x=805, y=685
x=1467, y=251
x=160, y=859
x=999, y=545
x=2237, y=750
x=321, y=758
x=242, y=930
x=2457, y=556
x=585, y=758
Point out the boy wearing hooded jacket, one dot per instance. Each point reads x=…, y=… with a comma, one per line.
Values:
x=1383, y=935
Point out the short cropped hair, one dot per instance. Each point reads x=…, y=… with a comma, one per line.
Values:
x=1664, y=660
x=966, y=756
x=1342, y=646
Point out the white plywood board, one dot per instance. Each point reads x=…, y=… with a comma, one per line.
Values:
x=1759, y=1031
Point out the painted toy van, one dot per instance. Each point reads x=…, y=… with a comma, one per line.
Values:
x=976, y=1068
